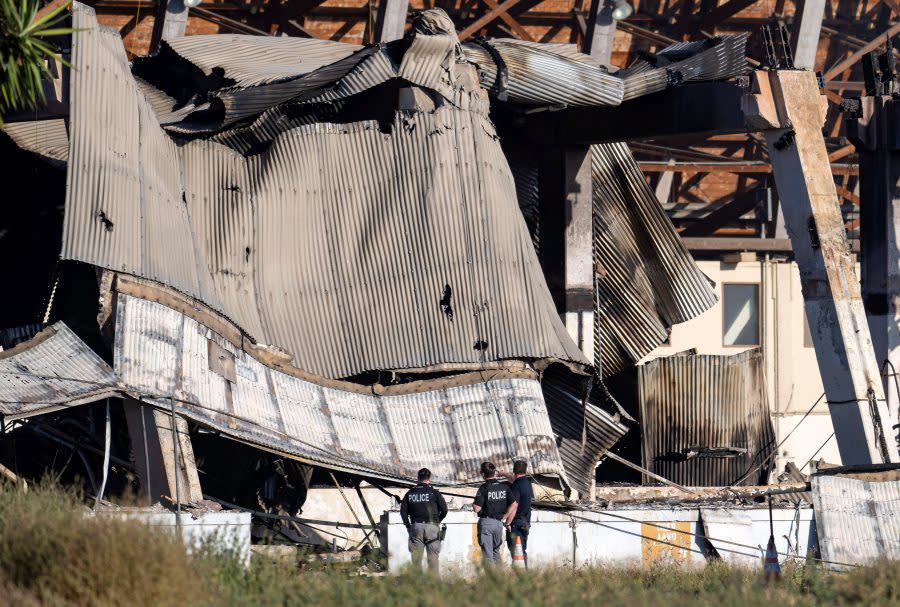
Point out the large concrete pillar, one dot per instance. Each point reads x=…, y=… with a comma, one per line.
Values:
x=154, y=454
x=788, y=107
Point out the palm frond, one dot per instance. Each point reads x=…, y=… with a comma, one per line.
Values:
x=25, y=51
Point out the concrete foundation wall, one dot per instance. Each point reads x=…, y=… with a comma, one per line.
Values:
x=650, y=538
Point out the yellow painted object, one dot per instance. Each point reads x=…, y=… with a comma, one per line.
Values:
x=474, y=548
x=664, y=546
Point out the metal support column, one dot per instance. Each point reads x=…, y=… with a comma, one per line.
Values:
x=390, y=20
x=601, y=30
x=873, y=129
x=567, y=238
x=169, y=22
x=788, y=106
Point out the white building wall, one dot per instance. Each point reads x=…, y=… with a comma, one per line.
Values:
x=793, y=381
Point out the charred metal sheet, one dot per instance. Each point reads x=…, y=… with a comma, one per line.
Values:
x=354, y=277
x=47, y=138
x=162, y=354
x=53, y=370
x=538, y=76
x=857, y=521
x=705, y=419
x=718, y=58
x=584, y=430
x=646, y=279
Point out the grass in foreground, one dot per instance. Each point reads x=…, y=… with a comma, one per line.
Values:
x=51, y=554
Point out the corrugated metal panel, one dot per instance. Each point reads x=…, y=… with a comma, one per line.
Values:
x=647, y=280
x=718, y=58
x=349, y=279
x=857, y=521
x=539, y=76
x=584, y=432
x=705, y=418
x=162, y=354
x=53, y=370
x=254, y=60
x=47, y=138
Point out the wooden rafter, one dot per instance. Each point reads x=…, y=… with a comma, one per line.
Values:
x=486, y=18
x=727, y=213
x=725, y=11
x=855, y=57
x=509, y=20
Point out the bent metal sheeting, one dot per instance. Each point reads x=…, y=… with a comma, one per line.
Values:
x=450, y=425
x=341, y=243
x=53, y=370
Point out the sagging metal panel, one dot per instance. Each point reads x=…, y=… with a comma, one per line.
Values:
x=705, y=419
x=857, y=521
x=53, y=370
x=537, y=75
x=338, y=244
x=647, y=280
x=47, y=138
x=162, y=354
x=584, y=431
x=717, y=58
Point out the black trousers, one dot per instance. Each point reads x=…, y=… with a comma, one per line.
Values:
x=518, y=528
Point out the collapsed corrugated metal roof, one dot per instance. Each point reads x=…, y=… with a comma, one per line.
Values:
x=584, y=430
x=646, y=280
x=857, y=521
x=451, y=424
x=54, y=369
x=705, y=419
x=47, y=138
x=352, y=278
x=353, y=207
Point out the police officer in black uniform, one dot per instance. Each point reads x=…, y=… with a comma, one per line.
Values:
x=422, y=510
x=518, y=516
x=491, y=505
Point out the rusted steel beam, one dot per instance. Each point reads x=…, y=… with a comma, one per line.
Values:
x=731, y=211
x=846, y=194
x=701, y=109
x=731, y=167
x=790, y=102
x=854, y=58
x=737, y=243
x=842, y=152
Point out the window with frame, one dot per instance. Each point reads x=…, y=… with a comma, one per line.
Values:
x=740, y=314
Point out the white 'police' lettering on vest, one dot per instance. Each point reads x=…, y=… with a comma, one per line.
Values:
x=418, y=498
x=496, y=495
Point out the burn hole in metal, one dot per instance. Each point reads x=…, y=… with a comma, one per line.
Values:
x=446, y=302
x=106, y=221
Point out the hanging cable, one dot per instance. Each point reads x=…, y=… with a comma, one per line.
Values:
x=106, y=449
